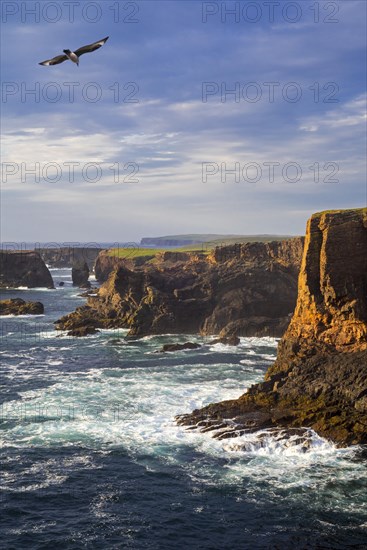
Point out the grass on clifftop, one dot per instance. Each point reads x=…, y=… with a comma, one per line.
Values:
x=340, y=211
x=133, y=253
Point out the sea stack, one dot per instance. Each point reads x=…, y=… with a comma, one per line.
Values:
x=23, y=268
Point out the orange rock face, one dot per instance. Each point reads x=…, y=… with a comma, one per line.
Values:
x=319, y=379
x=332, y=290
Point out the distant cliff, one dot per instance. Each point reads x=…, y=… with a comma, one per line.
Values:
x=319, y=379
x=208, y=239
x=66, y=256
x=23, y=268
x=247, y=289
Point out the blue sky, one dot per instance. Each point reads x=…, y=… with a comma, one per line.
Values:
x=161, y=56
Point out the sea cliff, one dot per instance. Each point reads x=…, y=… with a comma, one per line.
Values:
x=319, y=379
x=245, y=289
x=23, y=268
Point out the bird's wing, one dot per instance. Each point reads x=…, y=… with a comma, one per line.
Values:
x=91, y=47
x=55, y=60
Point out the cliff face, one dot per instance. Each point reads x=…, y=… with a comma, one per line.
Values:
x=80, y=274
x=234, y=291
x=106, y=262
x=23, y=268
x=65, y=256
x=331, y=307
x=319, y=379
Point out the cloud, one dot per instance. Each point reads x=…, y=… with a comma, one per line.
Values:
x=170, y=132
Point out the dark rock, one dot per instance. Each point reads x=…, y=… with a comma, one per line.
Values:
x=227, y=341
x=23, y=268
x=66, y=256
x=17, y=306
x=249, y=290
x=80, y=275
x=178, y=347
x=61, y=283
x=82, y=331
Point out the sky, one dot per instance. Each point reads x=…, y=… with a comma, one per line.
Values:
x=195, y=117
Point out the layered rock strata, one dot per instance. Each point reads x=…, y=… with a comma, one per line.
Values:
x=319, y=379
x=248, y=289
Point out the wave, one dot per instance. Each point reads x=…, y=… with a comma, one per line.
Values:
x=38, y=288
x=11, y=315
x=248, y=362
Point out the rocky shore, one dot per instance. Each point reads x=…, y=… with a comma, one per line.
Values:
x=247, y=289
x=319, y=379
x=23, y=268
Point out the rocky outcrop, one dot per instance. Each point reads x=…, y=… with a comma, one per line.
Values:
x=80, y=274
x=226, y=341
x=109, y=260
x=178, y=347
x=319, y=379
x=249, y=289
x=17, y=306
x=82, y=331
x=23, y=268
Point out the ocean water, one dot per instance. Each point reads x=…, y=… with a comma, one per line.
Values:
x=92, y=458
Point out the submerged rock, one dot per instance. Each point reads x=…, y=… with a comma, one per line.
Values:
x=226, y=340
x=82, y=331
x=178, y=347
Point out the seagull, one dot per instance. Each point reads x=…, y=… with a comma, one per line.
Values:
x=74, y=56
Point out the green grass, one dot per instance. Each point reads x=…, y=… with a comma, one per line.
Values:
x=339, y=211
x=202, y=248
x=133, y=253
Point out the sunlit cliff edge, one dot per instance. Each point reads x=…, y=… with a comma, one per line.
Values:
x=319, y=379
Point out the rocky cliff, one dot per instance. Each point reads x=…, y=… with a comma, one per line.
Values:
x=80, y=274
x=23, y=268
x=247, y=289
x=65, y=256
x=108, y=261
x=319, y=379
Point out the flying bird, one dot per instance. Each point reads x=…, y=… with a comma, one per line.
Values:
x=74, y=56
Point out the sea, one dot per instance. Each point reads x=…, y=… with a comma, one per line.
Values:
x=92, y=457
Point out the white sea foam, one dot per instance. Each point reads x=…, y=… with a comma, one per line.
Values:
x=248, y=361
x=267, y=356
x=38, y=288
x=22, y=316
x=133, y=409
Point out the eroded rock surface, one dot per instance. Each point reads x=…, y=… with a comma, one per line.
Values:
x=17, y=306
x=319, y=379
x=23, y=268
x=245, y=290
